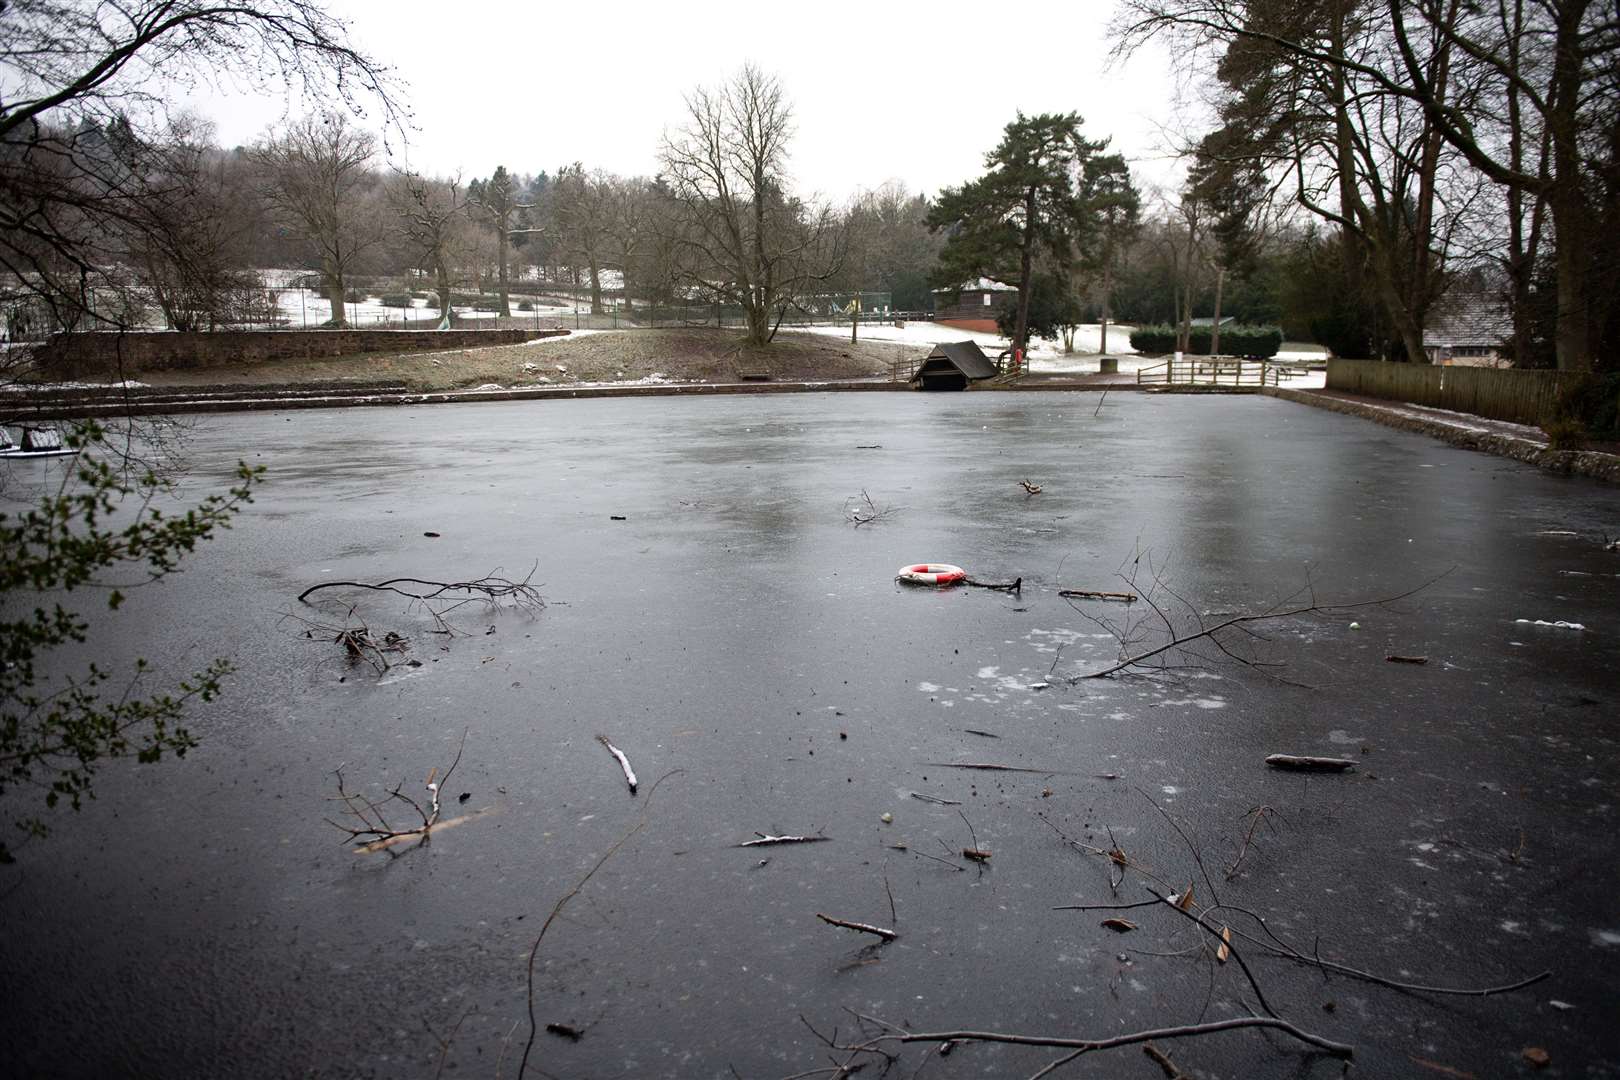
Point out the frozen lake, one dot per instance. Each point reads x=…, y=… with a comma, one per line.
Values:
x=201, y=919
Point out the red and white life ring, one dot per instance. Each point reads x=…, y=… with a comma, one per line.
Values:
x=932, y=574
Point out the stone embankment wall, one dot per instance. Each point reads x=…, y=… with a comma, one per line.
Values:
x=114, y=355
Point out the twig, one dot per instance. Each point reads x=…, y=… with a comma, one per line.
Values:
x=934, y=799
x=491, y=587
x=1162, y=1060
x=1308, y=763
x=1241, y=621
x=866, y=512
x=1278, y=947
x=1394, y=659
x=976, y=853
x=562, y=902
x=865, y=928
x=1087, y=594
x=1258, y=813
x=764, y=839
x=1014, y=586
x=624, y=762
x=1337, y=1049
x=988, y=767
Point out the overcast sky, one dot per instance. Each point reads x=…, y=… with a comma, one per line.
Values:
x=916, y=95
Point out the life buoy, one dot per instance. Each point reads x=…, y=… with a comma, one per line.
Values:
x=931, y=574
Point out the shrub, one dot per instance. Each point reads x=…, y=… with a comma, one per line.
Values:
x=353, y=296
x=400, y=299
x=415, y=295
x=525, y=305
x=489, y=304
x=1588, y=406
x=1257, y=342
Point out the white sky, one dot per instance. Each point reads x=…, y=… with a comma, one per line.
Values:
x=917, y=94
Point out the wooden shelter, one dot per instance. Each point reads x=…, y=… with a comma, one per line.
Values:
x=952, y=367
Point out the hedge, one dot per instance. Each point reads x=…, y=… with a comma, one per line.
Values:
x=396, y=299
x=1257, y=342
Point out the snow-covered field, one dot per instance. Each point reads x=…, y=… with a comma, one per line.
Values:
x=1043, y=355
x=1048, y=357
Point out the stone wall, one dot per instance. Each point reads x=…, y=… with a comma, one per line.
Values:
x=113, y=355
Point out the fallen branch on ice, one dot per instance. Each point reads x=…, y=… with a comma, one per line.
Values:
x=1087, y=594
x=373, y=829
x=865, y=928
x=764, y=840
x=624, y=762
x=1307, y=763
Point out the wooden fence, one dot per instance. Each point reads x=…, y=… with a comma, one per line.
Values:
x=1523, y=397
x=1210, y=371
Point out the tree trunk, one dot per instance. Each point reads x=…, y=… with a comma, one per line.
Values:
x=441, y=275
x=501, y=243
x=334, y=294
x=1026, y=273
x=596, y=287
x=759, y=323
x=1215, y=327
x=1107, y=305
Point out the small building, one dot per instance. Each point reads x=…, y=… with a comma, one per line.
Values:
x=1469, y=330
x=972, y=306
x=952, y=367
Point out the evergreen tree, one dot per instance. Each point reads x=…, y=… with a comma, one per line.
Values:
x=1025, y=208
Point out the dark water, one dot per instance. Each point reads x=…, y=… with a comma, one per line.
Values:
x=201, y=919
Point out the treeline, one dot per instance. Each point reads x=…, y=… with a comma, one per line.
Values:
x=1433, y=147
x=1369, y=163
x=166, y=225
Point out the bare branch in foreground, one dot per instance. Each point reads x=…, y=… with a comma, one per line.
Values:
x=493, y=590
x=371, y=827
x=562, y=902
x=1181, y=638
x=1086, y=1046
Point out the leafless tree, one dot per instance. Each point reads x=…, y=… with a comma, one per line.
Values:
x=631, y=228
x=495, y=202
x=581, y=206
x=189, y=240
x=742, y=236
x=317, y=175
x=1527, y=95
x=432, y=219
x=80, y=75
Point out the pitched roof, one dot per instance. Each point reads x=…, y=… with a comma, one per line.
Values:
x=1468, y=319
x=967, y=357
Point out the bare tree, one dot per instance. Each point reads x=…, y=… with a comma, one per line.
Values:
x=496, y=202
x=316, y=175
x=581, y=207
x=741, y=236
x=74, y=70
x=1525, y=94
x=189, y=240
x=631, y=227
x=432, y=216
